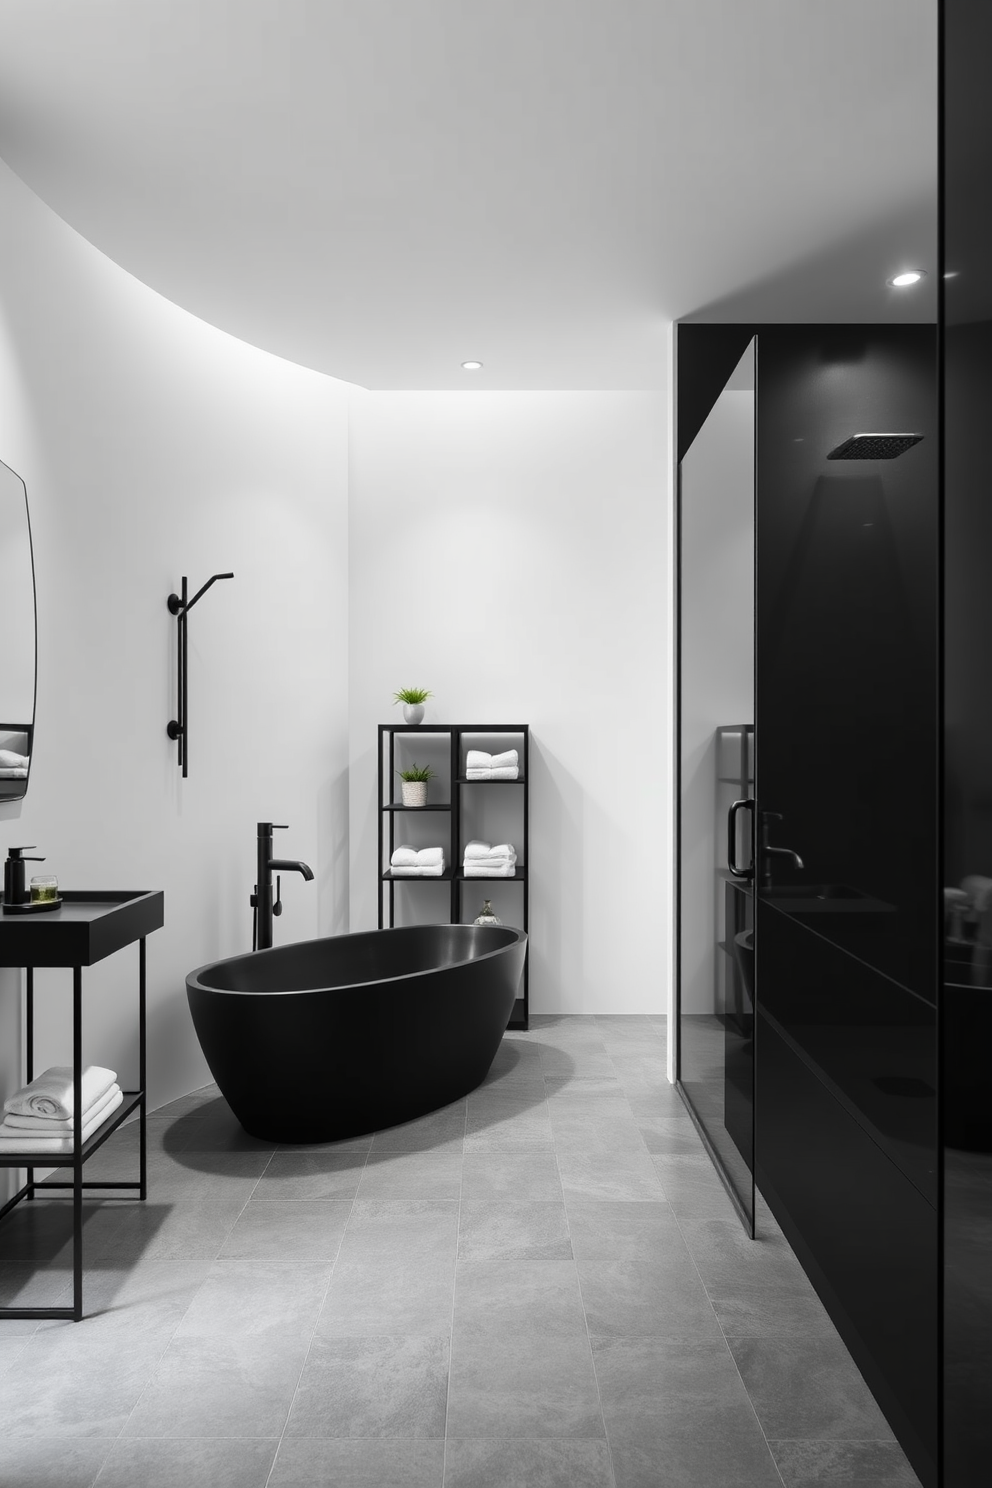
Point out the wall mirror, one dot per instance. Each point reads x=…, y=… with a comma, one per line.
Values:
x=19, y=645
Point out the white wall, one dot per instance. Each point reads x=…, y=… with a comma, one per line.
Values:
x=509, y=551
x=152, y=445
x=717, y=666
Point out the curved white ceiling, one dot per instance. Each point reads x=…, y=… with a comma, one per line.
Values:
x=381, y=189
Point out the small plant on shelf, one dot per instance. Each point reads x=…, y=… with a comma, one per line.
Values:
x=413, y=700
x=415, y=778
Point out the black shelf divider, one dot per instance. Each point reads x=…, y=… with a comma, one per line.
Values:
x=454, y=873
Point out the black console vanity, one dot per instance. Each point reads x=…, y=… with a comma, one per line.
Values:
x=87, y=927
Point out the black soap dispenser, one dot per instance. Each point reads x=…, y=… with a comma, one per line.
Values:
x=15, y=890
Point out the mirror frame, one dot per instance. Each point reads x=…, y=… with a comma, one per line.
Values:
x=9, y=796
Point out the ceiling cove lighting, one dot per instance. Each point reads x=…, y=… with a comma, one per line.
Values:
x=472, y=366
x=906, y=278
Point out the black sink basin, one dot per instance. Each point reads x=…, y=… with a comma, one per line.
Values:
x=823, y=899
x=813, y=891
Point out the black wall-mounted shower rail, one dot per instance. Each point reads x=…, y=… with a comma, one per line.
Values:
x=180, y=606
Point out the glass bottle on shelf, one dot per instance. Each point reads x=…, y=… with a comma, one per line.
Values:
x=487, y=917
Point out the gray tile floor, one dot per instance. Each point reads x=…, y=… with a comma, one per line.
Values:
x=541, y=1286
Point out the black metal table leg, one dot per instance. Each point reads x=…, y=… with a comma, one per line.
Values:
x=142, y=1082
x=77, y=1159
x=29, y=1046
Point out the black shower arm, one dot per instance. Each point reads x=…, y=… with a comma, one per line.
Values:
x=178, y=608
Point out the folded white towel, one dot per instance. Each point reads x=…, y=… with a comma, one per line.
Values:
x=434, y=870
x=475, y=870
x=56, y=1125
x=429, y=857
x=476, y=849
x=503, y=850
x=478, y=759
x=505, y=761
x=509, y=772
x=51, y=1094
x=18, y=1140
x=404, y=857
x=17, y=772
x=478, y=774
x=11, y=760
x=494, y=860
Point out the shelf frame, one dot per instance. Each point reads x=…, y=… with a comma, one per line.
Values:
x=454, y=873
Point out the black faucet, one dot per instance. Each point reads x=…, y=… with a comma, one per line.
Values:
x=262, y=901
x=766, y=852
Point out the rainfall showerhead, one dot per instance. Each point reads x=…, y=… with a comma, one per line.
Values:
x=874, y=446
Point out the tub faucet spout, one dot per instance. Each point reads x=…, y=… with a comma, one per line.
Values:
x=263, y=902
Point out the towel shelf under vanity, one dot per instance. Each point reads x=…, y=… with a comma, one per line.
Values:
x=467, y=804
x=87, y=927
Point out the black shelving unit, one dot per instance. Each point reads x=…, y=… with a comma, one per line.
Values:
x=454, y=874
x=87, y=927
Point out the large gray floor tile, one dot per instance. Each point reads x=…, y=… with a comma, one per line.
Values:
x=311, y=1175
x=67, y=1385
x=653, y=1390
x=313, y=1462
x=693, y=1187
x=382, y=1231
x=805, y=1388
x=185, y=1104
x=843, y=1464
x=637, y=1277
x=220, y=1386
x=372, y=1387
x=255, y=1299
x=196, y=1463
x=398, y=1294
x=504, y=1124
x=26, y=1284
x=732, y=1453
x=663, y=1100
x=51, y=1462
x=300, y=1231
x=439, y=1129
x=147, y=1302
x=514, y=1176
x=579, y=1087
x=522, y=1384
x=585, y=1133
x=726, y=1257
x=629, y=1176
x=570, y=1463
x=769, y=1312
x=490, y=1230
x=670, y=1135
x=412, y=1175
x=172, y=1230
x=507, y=1297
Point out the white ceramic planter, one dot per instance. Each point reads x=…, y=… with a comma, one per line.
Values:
x=414, y=791
x=413, y=712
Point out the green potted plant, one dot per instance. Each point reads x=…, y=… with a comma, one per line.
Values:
x=414, y=786
x=413, y=699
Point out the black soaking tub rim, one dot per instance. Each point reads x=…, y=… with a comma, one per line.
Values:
x=193, y=977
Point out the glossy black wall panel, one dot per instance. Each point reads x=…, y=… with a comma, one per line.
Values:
x=864, y=1233
x=966, y=1003
x=847, y=632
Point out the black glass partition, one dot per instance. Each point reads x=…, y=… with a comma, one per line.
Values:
x=716, y=770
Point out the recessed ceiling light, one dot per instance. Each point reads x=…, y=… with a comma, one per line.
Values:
x=904, y=280
x=472, y=366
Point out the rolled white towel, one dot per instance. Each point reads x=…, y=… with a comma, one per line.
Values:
x=51, y=1093
x=405, y=856
x=478, y=759
x=56, y=1125
x=505, y=761
x=11, y=760
x=476, y=849
x=475, y=870
x=18, y=1140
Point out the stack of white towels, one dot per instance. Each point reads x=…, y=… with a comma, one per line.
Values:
x=407, y=862
x=13, y=766
x=482, y=766
x=39, y=1117
x=484, y=861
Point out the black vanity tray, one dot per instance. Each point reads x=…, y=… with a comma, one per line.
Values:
x=88, y=925
x=30, y=908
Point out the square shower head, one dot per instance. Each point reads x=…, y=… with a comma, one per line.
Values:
x=874, y=446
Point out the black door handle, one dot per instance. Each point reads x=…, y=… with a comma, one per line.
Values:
x=748, y=872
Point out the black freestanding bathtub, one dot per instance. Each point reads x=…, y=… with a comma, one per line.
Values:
x=330, y=1038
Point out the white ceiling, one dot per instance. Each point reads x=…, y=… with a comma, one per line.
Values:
x=382, y=189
